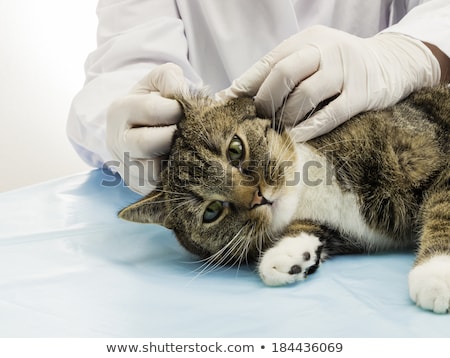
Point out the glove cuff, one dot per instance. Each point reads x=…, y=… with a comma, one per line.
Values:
x=415, y=58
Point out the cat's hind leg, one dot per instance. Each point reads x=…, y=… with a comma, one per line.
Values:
x=429, y=280
x=429, y=284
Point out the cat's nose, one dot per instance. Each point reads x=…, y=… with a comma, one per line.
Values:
x=258, y=199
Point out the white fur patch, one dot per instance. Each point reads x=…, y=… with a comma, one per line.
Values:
x=289, y=260
x=429, y=284
x=322, y=200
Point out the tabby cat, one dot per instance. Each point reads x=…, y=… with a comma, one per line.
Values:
x=237, y=188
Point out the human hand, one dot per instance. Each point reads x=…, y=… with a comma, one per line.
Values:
x=140, y=126
x=320, y=64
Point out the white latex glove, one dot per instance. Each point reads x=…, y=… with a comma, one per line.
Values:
x=140, y=126
x=320, y=63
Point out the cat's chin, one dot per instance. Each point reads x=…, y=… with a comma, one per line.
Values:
x=283, y=209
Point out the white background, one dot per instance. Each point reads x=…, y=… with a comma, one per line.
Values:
x=43, y=46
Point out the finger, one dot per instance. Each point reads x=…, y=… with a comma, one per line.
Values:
x=309, y=95
x=251, y=80
x=247, y=85
x=284, y=77
x=146, y=110
x=168, y=79
x=148, y=142
x=325, y=120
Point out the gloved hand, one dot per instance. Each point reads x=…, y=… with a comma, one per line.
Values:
x=321, y=63
x=140, y=126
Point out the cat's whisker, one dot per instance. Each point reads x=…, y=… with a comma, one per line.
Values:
x=301, y=118
x=258, y=242
x=239, y=244
x=273, y=110
x=286, y=147
x=221, y=257
x=279, y=116
x=225, y=257
x=245, y=243
x=298, y=118
x=270, y=149
x=276, y=125
x=280, y=126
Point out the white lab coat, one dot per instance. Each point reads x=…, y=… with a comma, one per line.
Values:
x=214, y=41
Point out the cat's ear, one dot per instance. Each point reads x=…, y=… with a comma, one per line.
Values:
x=194, y=104
x=148, y=210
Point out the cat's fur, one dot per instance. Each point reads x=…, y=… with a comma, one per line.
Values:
x=380, y=181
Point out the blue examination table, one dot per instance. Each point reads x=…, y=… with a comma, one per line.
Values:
x=70, y=268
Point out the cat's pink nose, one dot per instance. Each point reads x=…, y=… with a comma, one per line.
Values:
x=258, y=199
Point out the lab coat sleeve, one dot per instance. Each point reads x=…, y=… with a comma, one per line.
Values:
x=428, y=22
x=133, y=36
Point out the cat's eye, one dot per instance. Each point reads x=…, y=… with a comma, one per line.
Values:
x=235, y=151
x=213, y=211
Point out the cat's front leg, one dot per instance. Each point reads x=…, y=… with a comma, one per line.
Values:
x=292, y=259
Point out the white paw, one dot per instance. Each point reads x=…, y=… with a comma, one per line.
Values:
x=429, y=284
x=290, y=260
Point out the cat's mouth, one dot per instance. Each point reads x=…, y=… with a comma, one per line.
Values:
x=260, y=200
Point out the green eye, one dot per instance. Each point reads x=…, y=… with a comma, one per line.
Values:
x=235, y=151
x=213, y=211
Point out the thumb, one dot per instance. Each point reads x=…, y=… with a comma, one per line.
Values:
x=168, y=79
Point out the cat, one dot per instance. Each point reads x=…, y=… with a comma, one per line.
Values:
x=236, y=189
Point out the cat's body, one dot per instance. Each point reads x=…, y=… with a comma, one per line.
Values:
x=386, y=167
x=237, y=188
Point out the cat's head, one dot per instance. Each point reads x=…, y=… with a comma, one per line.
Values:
x=224, y=190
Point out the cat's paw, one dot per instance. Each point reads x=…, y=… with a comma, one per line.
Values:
x=429, y=284
x=291, y=259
